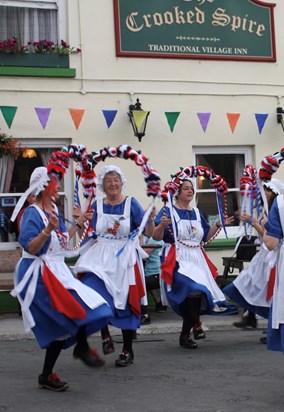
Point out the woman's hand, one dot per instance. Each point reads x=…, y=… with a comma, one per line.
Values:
x=165, y=221
x=244, y=217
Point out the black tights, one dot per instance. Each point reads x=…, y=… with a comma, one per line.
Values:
x=54, y=349
x=127, y=340
x=127, y=335
x=51, y=355
x=191, y=313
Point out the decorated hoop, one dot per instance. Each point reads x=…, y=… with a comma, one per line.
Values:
x=58, y=164
x=216, y=181
x=151, y=176
x=250, y=190
x=269, y=165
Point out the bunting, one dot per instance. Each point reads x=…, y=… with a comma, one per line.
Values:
x=8, y=113
x=233, y=119
x=172, y=119
x=204, y=120
x=109, y=116
x=77, y=115
x=43, y=115
x=261, y=119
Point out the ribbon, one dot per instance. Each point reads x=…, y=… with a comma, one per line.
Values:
x=221, y=212
x=62, y=300
x=168, y=266
x=136, y=292
x=212, y=267
x=271, y=282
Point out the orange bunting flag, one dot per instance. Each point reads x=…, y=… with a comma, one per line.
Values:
x=233, y=119
x=77, y=115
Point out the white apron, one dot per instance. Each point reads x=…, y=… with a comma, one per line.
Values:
x=54, y=259
x=192, y=263
x=113, y=256
x=278, y=292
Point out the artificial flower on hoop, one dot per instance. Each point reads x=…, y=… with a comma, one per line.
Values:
x=9, y=146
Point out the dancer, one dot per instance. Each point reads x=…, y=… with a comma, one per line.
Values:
x=273, y=240
x=253, y=287
x=112, y=262
x=189, y=285
x=59, y=309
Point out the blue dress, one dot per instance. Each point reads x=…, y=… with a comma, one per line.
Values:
x=112, y=263
x=191, y=274
x=275, y=228
x=38, y=309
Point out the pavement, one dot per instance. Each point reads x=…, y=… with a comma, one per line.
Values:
x=11, y=324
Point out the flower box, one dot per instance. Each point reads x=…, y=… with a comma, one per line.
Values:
x=34, y=60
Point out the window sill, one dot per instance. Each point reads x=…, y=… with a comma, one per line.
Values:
x=37, y=71
x=221, y=244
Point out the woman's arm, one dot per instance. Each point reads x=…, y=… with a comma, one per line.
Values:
x=38, y=242
x=270, y=242
x=159, y=230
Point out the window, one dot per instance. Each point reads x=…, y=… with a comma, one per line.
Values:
x=32, y=20
x=15, y=176
x=228, y=162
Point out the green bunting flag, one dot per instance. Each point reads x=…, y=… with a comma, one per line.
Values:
x=8, y=114
x=172, y=119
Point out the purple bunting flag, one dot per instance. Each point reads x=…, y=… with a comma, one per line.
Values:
x=204, y=119
x=43, y=115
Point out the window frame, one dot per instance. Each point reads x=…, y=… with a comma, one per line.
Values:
x=247, y=151
x=59, y=5
x=68, y=180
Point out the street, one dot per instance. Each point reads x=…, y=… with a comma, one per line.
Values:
x=231, y=371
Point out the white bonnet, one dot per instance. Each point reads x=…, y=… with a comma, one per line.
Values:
x=38, y=182
x=109, y=169
x=275, y=185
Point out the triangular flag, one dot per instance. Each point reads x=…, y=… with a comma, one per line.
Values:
x=8, y=114
x=43, y=115
x=139, y=117
x=172, y=119
x=260, y=119
x=109, y=116
x=233, y=120
x=77, y=115
x=204, y=119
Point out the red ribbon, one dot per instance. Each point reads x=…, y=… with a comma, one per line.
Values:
x=210, y=264
x=62, y=300
x=168, y=265
x=136, y=292
x=271, y=282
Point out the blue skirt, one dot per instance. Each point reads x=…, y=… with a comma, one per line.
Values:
x=183, y=286
x=122, y=319
x=233, y=293
x=275, y=337
x=51, y=325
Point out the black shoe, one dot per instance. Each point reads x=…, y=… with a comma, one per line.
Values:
x=145, y=320
x=246, y=323
x=263, y=340
x=52, y=383
x=198, y=333
x=186, y=342
x=124, y=359
x=108, y=346
x=159, y=308
x=89, y=357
